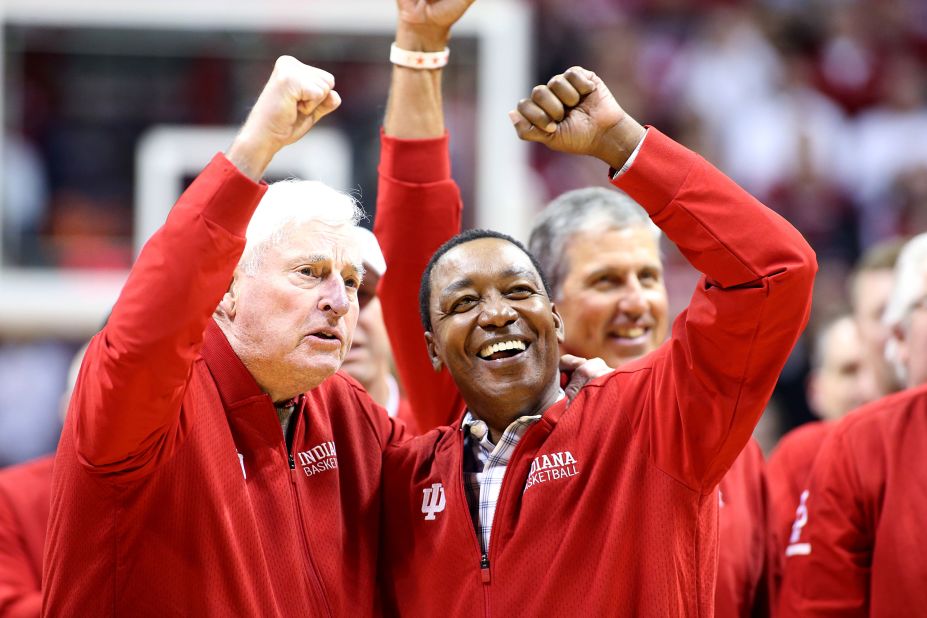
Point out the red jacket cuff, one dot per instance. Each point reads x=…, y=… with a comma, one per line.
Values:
x=235, y=197
x=658, y=172
x=415, y=161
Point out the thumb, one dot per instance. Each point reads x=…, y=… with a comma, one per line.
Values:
x=327, y=106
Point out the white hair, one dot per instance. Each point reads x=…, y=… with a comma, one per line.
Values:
x=290, y=203
x=908, y=290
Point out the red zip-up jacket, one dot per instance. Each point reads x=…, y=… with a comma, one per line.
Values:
x=862, y=550
x=788, y=471
x=24, y=498
x=609, y=506
x=173, y=491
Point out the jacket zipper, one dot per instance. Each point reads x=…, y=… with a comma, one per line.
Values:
x=313, y=574
x=485, y=573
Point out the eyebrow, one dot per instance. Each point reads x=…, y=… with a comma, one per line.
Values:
x=509, y=273
x=315, y=258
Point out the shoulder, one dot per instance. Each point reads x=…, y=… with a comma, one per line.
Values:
x=892, y=415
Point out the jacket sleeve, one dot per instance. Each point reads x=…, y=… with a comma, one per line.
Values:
x=127, y=401
x=828, y=563
x=713, y=379
x=20, y=596
x=418, y=209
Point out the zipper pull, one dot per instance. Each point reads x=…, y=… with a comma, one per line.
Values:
x=484, y=568
x=292, y=462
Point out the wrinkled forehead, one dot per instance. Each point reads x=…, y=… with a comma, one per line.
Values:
x=483, y=259
x=339, y=244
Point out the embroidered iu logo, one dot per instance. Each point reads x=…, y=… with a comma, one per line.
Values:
x=433, y=500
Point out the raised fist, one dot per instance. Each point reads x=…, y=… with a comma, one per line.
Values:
x=295, y=97
x=576, y=113
x=427, y=23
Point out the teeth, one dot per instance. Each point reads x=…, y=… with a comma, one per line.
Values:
x=631, y=333
x=501, y=347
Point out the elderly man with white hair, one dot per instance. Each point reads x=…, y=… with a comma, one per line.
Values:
x=859, y=544
x=212, y=462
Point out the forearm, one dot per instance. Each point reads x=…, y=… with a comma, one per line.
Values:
x=414, y=107
x=136, y=369
x=418, y=208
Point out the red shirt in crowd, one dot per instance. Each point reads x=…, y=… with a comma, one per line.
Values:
x=860, y=547
x=788, y=471
x=24, y=499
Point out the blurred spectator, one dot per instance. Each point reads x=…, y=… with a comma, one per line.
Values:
x=25, y=496
x=840, y=381
x=32, y=378
x=369, y=361
x=870, y=287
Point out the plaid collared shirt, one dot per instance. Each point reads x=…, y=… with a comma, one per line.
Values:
x=484, y=468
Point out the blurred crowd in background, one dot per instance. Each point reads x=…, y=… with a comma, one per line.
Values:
x=817, y=108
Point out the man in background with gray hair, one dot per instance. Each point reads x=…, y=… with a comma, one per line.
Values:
x=859, y=545
x=841, y=380
x=212, y=462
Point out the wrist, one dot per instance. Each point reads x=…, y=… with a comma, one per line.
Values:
x=618, y=142
x=421, y=39
x=250, y=156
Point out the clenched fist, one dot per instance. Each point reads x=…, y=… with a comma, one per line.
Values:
x=577, y=114
x=295, y=97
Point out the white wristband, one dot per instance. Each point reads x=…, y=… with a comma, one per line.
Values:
x=418, y=60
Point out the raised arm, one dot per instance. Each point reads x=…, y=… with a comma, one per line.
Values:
x=127, y=400
x=418, y=204
x=712, y=380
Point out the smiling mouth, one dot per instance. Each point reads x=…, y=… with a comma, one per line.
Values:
x=634, y=332
x=502, y=349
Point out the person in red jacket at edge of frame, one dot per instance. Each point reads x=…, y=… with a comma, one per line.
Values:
x=212, y=462
x=526, y=506
x=841, y=379
x=859, y=545
x=25, y=494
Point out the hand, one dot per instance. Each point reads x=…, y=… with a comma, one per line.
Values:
x=294, y=99
x=581, y=371
x=425, y=25
x=577, y=114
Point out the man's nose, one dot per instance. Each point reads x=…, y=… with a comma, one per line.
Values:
x=632, y=300
x=334, y=296
x=496, y=313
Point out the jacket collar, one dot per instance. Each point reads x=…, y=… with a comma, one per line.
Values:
x=235, y=383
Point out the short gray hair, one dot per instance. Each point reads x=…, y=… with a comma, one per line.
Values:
x=290, y=203
x=591, y=208
x=908, y=290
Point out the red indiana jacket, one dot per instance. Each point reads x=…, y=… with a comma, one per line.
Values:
x=788, y=471
x=862, y=549
x=173, y=491
x=24, y=498
x=609, y=506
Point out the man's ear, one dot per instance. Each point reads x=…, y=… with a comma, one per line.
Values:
x=558, y=323
x=432, y=352
x=229, y=302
